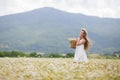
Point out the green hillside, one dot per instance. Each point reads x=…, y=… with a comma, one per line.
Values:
x=48, y=29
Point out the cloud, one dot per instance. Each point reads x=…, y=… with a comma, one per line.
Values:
x=101, y=8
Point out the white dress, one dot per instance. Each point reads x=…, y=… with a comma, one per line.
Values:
x=80, y=54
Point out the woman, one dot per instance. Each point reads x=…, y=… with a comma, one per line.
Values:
x=82, y=45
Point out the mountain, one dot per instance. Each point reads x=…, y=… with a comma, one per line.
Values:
x=48, y=29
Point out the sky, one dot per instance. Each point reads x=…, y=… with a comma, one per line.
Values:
x=100, y=8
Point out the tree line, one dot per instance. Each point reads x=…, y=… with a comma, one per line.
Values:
x=33, y=54
x=56, y=55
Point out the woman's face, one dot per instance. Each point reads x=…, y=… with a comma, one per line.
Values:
x=81, y=33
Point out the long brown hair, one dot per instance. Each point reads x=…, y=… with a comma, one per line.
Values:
x=87, y=43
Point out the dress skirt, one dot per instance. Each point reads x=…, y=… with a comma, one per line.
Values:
x=80, y=54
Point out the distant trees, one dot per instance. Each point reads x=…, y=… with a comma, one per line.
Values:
x=34, y=54
x=115, y=55
x=11, y=54
x=56, y=55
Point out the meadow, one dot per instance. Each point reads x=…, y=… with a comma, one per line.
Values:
x=58, y=69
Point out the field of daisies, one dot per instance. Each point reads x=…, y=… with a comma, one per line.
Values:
x=58, y=69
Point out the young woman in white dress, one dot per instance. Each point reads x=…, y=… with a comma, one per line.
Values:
x=82, y=45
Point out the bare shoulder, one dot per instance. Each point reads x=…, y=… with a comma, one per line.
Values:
x=83, y=40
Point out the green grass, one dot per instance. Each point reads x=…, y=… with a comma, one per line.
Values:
x=58, y=69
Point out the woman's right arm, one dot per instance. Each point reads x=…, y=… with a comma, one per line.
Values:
x=79, y=42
